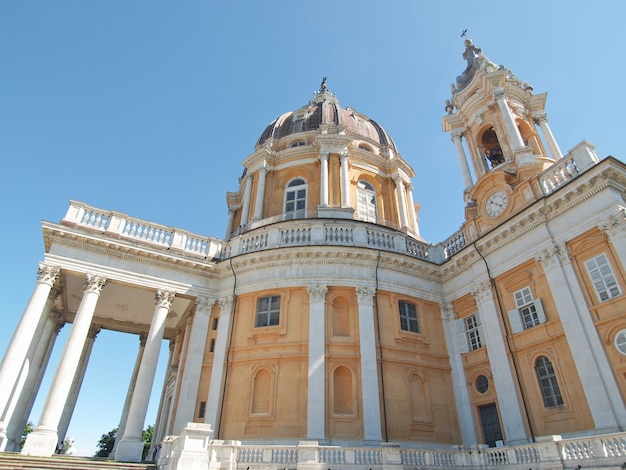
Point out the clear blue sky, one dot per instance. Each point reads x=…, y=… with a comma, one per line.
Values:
x=149, y=107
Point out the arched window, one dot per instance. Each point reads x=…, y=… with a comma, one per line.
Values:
x=295, y=199
x=547, y=382
x=366, y=195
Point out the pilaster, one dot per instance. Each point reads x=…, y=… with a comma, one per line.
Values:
x=316, y=412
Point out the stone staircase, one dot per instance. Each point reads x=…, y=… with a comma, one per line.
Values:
x=15, y=461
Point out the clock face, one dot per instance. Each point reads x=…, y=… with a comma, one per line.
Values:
x=496, y=204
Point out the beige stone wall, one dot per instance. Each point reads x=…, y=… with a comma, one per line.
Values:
x=609, y=316
x=546, y=339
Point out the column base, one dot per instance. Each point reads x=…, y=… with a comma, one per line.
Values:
x=3, y=440
x=129, y=450
x=42, y=442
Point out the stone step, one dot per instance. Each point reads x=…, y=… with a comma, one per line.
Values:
x=15, y=461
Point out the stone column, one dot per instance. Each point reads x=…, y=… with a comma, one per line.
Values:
x=369, y=366
x=594, y=370
x=229, y=224
x=23, y=338
x=460, y=153
x=260, y=194
x=412, y=213
x=43, y=440
x=324, y=179
x=188, y=392
x=461, y=393
x=401, y=201
x=542, y=120
x=511, y=415
x=345, y=180
x=27, y=397
x=316, y=412
x=130, y=446
x=219, y=360
x=247, y=192
x=509, y=120
x=77, y=383
x=129, y=394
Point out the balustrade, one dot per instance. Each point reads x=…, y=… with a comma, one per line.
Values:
x=610, y=452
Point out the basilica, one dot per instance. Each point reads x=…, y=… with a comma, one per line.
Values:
x=323, y=331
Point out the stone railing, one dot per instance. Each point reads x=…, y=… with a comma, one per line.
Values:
x=579, y=159
x=606, y=451
x=312, y=232
x=120, y=226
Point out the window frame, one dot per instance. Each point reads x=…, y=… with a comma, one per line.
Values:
x=548, y=383
x=367, y=211
x=603, y=279
x=406, y=318
x=269, y=316
x=467, y=334
x=292, y=188
x=528, y=312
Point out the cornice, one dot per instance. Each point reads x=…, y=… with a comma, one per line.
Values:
x=106, y=246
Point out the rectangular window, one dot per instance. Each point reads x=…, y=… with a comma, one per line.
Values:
x=212, y=346
x=468, y=333
x=472, y=332
x=202, y=409
x=602, y=276
x=215, y=320
x=268, y=311
x=408, y=317
x=529, y=311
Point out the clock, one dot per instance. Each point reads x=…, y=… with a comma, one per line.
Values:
x=496, y=204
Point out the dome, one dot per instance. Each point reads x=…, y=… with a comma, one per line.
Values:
x=324, y=109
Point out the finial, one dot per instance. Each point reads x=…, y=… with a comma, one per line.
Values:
x=323, y=87
x=464, y=33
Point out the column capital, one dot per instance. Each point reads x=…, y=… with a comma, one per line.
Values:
x=225, y=303
x=164, y=298
x=499, y=93
x=553, y=256
x=324, y=155
x=317, y=293
x=93, y=331
x=344, y=155
x=447, y=310
x=95, y=283
x=364, y=294
x=540, y=118
x=483, y=291
x=47, y=273
x=615, y=223
x=457, y=134
x=204, y=303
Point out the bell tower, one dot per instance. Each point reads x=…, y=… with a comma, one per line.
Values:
x=499, y=118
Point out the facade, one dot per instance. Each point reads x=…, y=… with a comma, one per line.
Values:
x=323, y=317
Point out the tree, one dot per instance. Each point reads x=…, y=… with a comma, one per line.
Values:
x=105, y=444
x=146, y=437
x=27, y=430
x=64, y=448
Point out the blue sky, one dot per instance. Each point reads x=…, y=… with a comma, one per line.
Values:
x=149, y=107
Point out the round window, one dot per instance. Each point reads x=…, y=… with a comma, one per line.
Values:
x=482, y=384
x=620, y=342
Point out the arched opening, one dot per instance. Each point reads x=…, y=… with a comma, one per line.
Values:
x=492, y=148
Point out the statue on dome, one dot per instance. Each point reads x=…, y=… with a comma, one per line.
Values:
x=323, y=87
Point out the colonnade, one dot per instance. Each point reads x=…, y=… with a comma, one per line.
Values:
x=27, y=357
x=404, y=195
x=512, y=130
